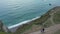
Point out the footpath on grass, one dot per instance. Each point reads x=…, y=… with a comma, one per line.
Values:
x=53, y=28
x=49, y=30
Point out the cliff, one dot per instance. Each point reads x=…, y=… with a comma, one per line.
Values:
x=38, y=21
x=27, y=26
x=3, y=28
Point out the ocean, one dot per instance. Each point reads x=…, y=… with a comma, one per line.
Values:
x=18, y=12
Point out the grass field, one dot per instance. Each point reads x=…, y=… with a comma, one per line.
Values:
x=57, y=32
x=5, y=33
x=48, y=23
x=57, y=17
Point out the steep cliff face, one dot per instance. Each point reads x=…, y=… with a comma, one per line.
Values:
x=3, y=28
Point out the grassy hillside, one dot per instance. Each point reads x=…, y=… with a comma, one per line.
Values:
x=57, y=17
x=44, y=20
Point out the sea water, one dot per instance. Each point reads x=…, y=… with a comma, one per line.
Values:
x=17, y=12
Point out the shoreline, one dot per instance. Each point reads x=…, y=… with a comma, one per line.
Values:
x=13, y=28
x=24, y=22
x=44, y=16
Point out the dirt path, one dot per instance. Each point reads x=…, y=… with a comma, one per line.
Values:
x=52, y=14
x=49, y=30
x=51, y=18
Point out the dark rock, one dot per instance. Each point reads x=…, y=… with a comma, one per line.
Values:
x=3, y=28
x=50, y=4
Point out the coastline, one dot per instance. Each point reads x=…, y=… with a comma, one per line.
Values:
x=13, y=28
x=17, y=26
x=21, y=23
x=25, y=28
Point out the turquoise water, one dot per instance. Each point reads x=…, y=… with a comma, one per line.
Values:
x=16, y=11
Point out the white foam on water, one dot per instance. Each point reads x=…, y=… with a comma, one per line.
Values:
x=21, y=23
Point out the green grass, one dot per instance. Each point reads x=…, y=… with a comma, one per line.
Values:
x=24, y=28
x=35, y=22
x=58, y=32
x=5, y=33
x=48, y=23
x=57, y=18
